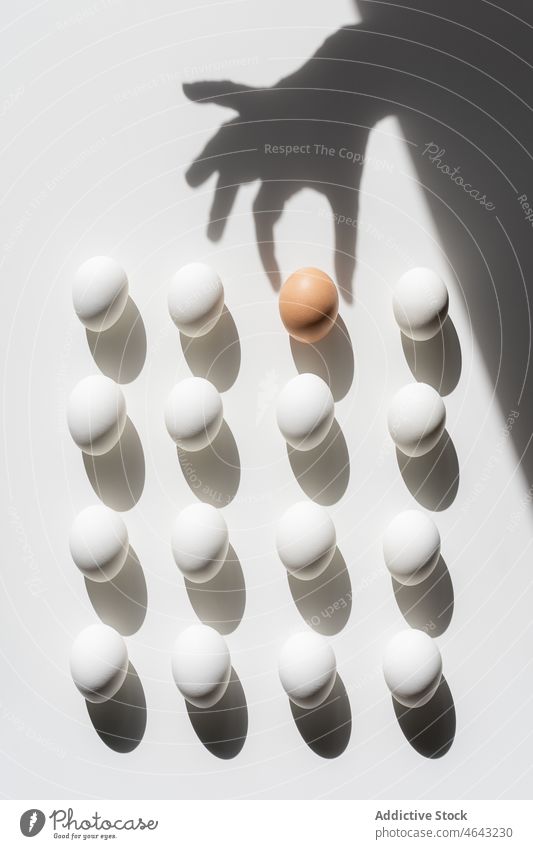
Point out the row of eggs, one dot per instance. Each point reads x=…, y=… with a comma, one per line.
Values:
x=308, y=300
x=201, y=666
x=96, y=413
x=305, y=541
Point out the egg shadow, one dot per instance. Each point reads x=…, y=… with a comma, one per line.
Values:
x=429, y=729
x=327, y=728
x=121, y=602
x=323, y=473
x=325, y=602
x=214, y=473
x=223, y=728
x=437, y=361
x=216, y=355
x=428, y=606
x=433, y=479
x=220, y=602
x=331, y=358
x=118, y=476
x=120, y=352
x=120, y=722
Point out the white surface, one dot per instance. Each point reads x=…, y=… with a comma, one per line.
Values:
x=412, y=667
x=95, y=146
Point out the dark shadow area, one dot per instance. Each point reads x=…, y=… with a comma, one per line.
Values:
x=214, y=473
x=121, y=721
x=331, y=358
x=325, y=602
x=437, y=361
x=327, y=728
x=220, y=602
x=432, y=479
x=323, y=473
x=428, y=605
x=118, y=476
x=430, y=729
x=216, y=355
x=120, y=352
x=457, y=77
x=223, y=728
x=121, y=602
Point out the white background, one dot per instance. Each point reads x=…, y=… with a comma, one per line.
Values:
x=96, y=138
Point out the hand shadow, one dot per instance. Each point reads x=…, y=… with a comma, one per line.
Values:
x=466, y=132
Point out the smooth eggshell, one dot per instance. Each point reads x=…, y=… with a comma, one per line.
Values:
x=308, y=304
x=193, y=413
x=305, y=539
x=201, y=665
x=98, y=662
x=416, y=419
x=412, y=666
x=100, y=292
x=411, y=547
x=195, y=299
x=305, y=411
x=307, y=669
x=200, y=542
x=99, y=543
x=96, y=414
x=420, y=303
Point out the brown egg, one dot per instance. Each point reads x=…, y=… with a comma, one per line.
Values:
x=308, y=304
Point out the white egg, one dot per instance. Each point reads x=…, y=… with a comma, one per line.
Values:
x=194, y=413
x=420, y=303
x=200, y=542
x=411, y=547
x=416, y=419
x=306, y=539
x=412, y=666
x=201, y=665
x=307, y=669
x=195, y=299
x=98, y=662
x=96, y=414
x=305, y=411
x=100, y=292
x=99, y=543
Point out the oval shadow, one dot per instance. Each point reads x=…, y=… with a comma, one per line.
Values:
x=220, y=602
x=216, y=355
x=432, y=479
x=331, y=358
x=428, y=606
x=325, y=602
x=118, y=476
x=323, y=473
x=437, y=361
x=430, y=729
x=214, y=473
x=120, y=352
x=121, y=602
x=327, y=728
x=223, y=728
x=121, y=721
